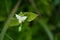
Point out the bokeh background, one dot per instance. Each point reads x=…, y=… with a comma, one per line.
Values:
x=46, y=26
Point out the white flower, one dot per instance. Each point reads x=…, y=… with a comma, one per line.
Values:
x=21, y=18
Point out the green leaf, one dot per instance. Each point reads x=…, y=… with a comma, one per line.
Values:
x=13, y=22
x=30, y=16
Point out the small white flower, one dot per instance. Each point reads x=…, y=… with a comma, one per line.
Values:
x=21, y=18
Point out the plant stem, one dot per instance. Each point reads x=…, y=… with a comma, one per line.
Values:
x=47, y=30
x=8, y=20
x=35, y=7
x=8, y=36
x=20, y=27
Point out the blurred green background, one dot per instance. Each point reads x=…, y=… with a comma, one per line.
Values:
x=46, y=26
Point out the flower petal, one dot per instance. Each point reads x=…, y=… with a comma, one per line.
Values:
x=21, y=18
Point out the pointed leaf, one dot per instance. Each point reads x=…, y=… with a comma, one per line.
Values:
x=30, y=16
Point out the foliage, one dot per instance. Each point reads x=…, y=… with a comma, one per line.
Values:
x=45, y=26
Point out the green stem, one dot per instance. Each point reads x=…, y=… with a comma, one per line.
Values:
x=8, y=20
x=34, y=6
x=19, y=28
x=8, y=36
x=47, y=31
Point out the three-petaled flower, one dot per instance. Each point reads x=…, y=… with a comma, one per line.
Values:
x=21, y=18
